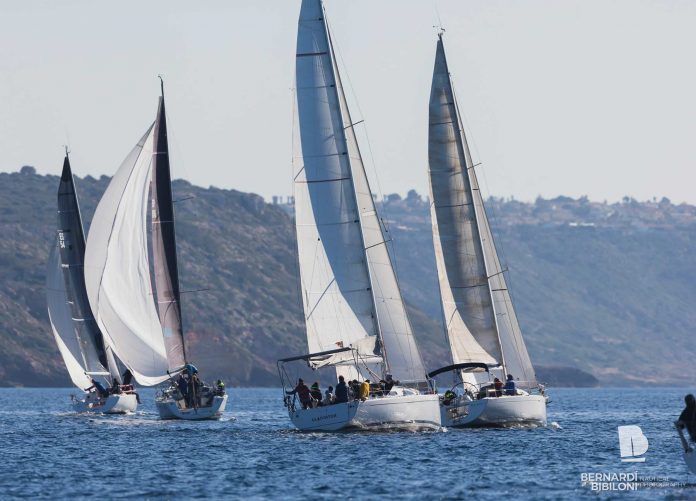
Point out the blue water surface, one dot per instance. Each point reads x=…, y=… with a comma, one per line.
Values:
x=50, y=452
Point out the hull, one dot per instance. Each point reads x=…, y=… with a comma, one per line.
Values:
x=169, y=408
x=113, y=404
x=504, y=411
x=394, y=412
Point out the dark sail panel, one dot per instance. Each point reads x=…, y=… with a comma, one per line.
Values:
x=164, y=247
x=71, y=242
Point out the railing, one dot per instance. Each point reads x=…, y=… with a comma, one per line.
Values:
x=488, y=389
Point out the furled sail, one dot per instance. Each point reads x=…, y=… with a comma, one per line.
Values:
x=164, y=247
x=348, y=281
x=117, y=268
x=477, y=309
x=76, y=331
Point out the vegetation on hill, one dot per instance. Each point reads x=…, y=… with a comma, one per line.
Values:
x=609, y=295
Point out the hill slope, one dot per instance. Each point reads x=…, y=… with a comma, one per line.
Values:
x=614, y=298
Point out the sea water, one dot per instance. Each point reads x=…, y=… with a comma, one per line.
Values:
x=49, y=452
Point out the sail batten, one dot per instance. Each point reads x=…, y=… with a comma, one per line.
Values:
x=479, y=316
x=347, y=276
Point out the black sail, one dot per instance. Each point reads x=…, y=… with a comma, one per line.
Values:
x=164, y=247
x=71, y=242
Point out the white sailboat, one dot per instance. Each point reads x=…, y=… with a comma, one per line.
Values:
x=479, y=316
x=90, y=362
x=141, y=323
x=355, y=317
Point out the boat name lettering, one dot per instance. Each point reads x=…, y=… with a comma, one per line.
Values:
x=321, y=418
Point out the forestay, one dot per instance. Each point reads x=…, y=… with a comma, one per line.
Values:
x=477, y=309
x=117, y=269
x=348, y=282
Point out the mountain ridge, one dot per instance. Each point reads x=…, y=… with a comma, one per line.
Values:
x=605, y=288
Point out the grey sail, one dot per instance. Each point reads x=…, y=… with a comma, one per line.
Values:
x=477, y=308
x=71, y=247
x=166, y=274
x=350, y=291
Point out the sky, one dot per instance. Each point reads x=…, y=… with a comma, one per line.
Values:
x=571, y=97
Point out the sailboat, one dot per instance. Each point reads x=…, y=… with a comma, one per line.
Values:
x=140, y=322
x=90, y=362
x=356, y=321
x=482, y=328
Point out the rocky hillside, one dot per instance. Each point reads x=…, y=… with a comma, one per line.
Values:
x=613, y=299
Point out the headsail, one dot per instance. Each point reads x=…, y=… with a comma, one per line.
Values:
x=117, y=268
x=164, y=246
x=74, y=326
x=477, y=309
x=61, y=321
x=349, y=288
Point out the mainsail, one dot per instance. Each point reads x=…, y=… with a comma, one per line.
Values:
x=147, y=339
x=477, y=308
x=164, y=246
x=78, y=337
x=349, y=288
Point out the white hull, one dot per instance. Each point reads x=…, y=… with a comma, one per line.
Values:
x=394, y=412
x=168, y=408
x=495, y=411
x=113, y=404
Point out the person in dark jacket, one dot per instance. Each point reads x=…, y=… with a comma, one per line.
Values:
x=687, y=419
x=127, y=378
x=303, y=394
x=99, y=388
x=182, y=384
x=510, y=386
x=315, y=391
x=341, y=391
x=115, y=387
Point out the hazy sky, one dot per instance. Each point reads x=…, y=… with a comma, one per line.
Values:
x=571, y=97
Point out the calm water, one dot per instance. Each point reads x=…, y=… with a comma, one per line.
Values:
x=51, y=453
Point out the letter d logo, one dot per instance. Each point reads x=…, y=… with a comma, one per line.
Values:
x=632, y=443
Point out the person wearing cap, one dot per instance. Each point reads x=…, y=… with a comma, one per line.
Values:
x=315, y=391
x=510, y=386
x=303, y=393
x=220, y=387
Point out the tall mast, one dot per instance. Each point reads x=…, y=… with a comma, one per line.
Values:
x=375, y=316
x=350, y=291
x=473, y=184
x=164, y=245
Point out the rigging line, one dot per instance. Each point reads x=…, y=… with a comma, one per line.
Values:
x=492, y=201
x=353, y=124
x=326, y=289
